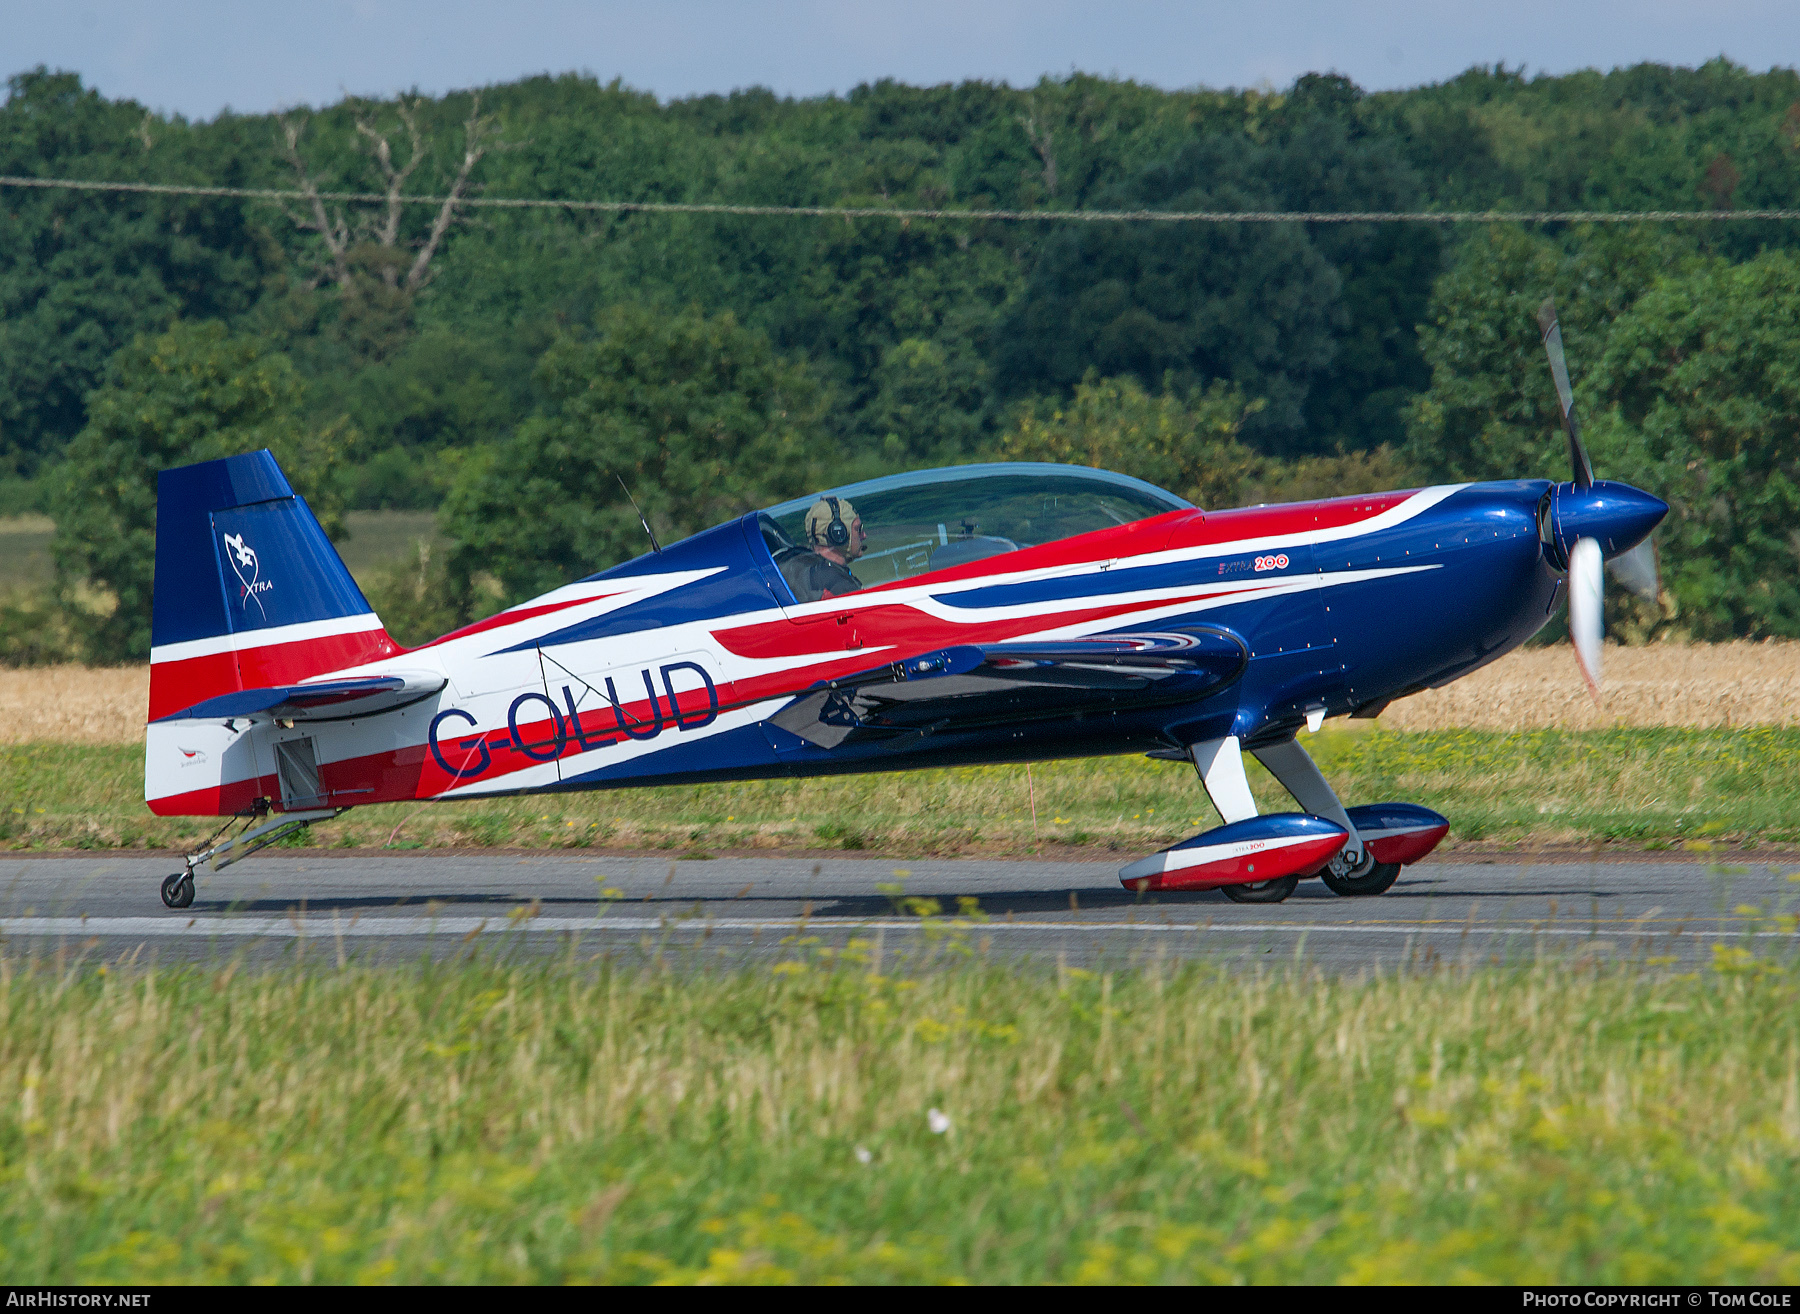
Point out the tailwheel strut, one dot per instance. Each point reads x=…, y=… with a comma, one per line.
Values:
x=178, y=890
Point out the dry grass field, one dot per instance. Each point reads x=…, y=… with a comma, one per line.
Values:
x=1667, y=684
x=73, y=705
x=1699, y=685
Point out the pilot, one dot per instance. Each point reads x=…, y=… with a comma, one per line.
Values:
x=834, y=538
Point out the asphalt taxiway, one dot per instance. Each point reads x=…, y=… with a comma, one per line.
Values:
x=361, y=907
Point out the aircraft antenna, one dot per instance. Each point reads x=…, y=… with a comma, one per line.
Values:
x=654, y=545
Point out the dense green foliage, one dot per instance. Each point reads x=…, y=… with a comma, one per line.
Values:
x=695, y=416
x=1300, y=318
x=444, y=347
x=1690, y=388
x=189, y=394
x=1190, y=443
x=79, y=276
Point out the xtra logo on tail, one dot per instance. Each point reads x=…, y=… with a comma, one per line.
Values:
x=243, y=557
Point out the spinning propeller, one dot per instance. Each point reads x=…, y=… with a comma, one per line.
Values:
x=1589, y=520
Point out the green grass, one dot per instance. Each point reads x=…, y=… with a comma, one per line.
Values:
x=546, y=1122
x=25, y=552
x=1641, y=787
x=382, y=538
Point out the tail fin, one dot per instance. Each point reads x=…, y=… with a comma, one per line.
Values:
x=249, y=591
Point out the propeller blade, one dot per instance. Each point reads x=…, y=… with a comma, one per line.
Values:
x=1639, y=572
x=1565, y=395
x=1586, y=580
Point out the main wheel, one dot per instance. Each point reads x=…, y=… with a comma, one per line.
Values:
x=1370, y=878
x=1262, y=891
x=178, y=890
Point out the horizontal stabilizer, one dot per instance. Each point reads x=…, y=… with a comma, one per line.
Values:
x=975, y=685
x=325, y=700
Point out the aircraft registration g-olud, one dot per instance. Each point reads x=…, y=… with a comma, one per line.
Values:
x=976, y=614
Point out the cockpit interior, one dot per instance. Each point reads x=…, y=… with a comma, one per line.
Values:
x=930, y=520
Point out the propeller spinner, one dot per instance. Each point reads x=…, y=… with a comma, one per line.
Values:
x=1593, y=519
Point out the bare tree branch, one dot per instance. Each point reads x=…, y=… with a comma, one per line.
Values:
x=388, y=232
x=476, y=132
x=374, y=243
x=1039, y=136
x=335, y=235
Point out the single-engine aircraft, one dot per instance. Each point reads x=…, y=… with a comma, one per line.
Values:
x=976, y=614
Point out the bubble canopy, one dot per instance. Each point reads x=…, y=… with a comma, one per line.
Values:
x=934, y=519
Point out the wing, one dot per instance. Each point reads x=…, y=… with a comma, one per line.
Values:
x=969, y=687
x=325, y=700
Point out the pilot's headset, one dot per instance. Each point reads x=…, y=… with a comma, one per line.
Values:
x=835, y=533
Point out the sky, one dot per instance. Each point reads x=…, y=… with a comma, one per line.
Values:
x=198, y=57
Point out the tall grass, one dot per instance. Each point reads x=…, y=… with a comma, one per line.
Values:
x=1650, y=787
x=502, y=1122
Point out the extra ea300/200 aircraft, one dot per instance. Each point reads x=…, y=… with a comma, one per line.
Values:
x=998, y=613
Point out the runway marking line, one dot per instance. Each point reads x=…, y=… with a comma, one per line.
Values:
x=292, y=928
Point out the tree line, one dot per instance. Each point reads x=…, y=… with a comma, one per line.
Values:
x=511, y=368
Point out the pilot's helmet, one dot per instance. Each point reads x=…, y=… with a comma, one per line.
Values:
x=828, y=523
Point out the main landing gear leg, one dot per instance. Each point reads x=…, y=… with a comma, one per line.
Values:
x=1354, y=870
x=1250, y=859
x=178, y=890
x=1220, y=764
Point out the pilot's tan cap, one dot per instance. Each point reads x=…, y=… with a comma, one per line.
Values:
x=818, y=520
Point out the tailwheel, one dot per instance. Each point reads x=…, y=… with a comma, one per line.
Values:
x=1261, y=891
x=1367, y=878
x=178, y=890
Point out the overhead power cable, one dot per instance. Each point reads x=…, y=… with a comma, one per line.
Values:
x=900, y=212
